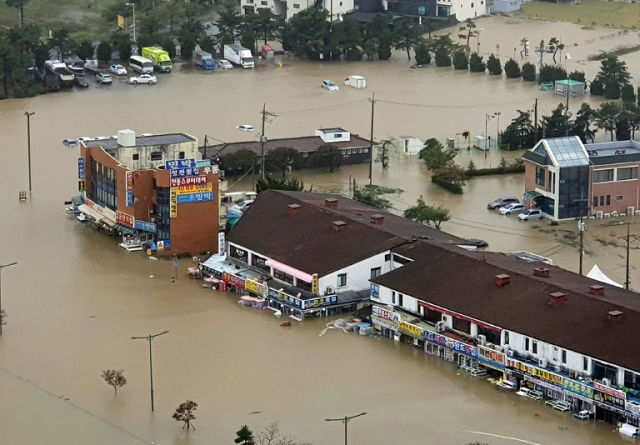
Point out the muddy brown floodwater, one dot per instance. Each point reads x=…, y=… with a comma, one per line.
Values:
x=75, y=299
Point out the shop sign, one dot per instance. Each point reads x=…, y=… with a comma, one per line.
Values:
x=194, y=188
x=177, y=164
x=410, y=329
x=188, y=198
x=282, y=296
x=167, y=244
x=490, y=357
x=315, y=283
x=609, y=397
x=129, y=178
x=213, y=169
x=145, y=226
x=374, y=290
x=174, y=203
x=203, y=163
x=89, y=203
x=385, y=314
x=125, y=220
x=160, y=245
x=81, y=186
x=579, y=388
x=221, y=243
x=256, y=288
x=237, y=281
x=193, y=180
x=319, y=302
x=80, y=168
x=451, y=343
x=130, y=199
x=542, y=374
x=540, y=383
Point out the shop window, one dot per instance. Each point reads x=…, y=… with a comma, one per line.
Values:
x=259, y=262
x=342, y=280
x=376, y=272
x=400, y=300
x=534, y=347
x=631, y=380
x=282, y=276
x=627, y=173
x=563, y=357
x=238, y=254
x=461, y=325
x=135, y=157
x=433, y=316
x=303, y=285
x=540, y=176
x=603, y=175
x=156, y=156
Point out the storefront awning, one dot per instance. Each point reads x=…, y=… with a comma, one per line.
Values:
x=124, y=229
x=532, y=194
x=77, y=200
x=289, y=270
x=90, y=212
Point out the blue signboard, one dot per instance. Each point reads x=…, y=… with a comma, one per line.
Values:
x=176, y=164
x=130, y=199
x=187, y=198
x=374, y=290
x=450, y=343
x=80, y=168
x=145, y=226
x=167, y=244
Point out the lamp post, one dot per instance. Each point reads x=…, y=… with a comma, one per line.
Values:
x=149, y=338
x=29, y=114
x=497, y=115
x=133, y=6
x=486, y=137
x=346, y=420
x=2, y=267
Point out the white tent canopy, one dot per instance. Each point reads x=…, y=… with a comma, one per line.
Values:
x=597, y=274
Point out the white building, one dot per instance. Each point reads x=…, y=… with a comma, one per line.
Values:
x=288, y=8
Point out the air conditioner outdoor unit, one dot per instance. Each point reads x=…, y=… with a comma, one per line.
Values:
x=498, y=348
x=444, y=317
x=329, y=290
x=606, y=382
x=542, y=362
x=482, y=340
x=440, y=326
x=510, y=353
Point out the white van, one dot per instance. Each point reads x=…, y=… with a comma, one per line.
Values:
x=141, y=64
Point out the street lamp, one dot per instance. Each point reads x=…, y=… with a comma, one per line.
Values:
x=28, y=114
x=497, y=115
x=346, y=420
x=133, y=6
x=486, y=137
x=149, y=338
x=2, y=267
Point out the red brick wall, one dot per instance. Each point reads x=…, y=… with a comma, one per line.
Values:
x=629, y=191
x=529, y=176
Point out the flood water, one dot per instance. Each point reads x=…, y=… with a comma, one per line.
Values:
x=75, y=299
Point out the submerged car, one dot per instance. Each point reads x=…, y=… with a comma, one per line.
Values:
x=224, y=64
x=241, y=206
x=80, y=81
x=512, y=208
x=245, y=127
x=330, y=85
x=418, y=65
x=501, y=202
x=530, y=214
x=104, y=78
x=118, y=70
x=143, y=78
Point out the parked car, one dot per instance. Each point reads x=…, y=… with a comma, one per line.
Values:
x=330, y=85
x=80, y=81
x=479, y=243
x=104, y=78
x=530, y=214
x=418, y=65
x=224, y=64
x=501, y=202
x=245, y=127
x=512, y=208
x=143, y=78
x=241, y=206
x=118, y=70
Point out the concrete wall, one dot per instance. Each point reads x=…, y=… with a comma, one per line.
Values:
x=124, y=155
x=358, y=274
x=465, y=9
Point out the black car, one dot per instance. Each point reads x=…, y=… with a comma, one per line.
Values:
x=479, y=243
x=80, y=81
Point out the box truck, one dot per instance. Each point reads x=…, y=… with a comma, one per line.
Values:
x=160, y=58
x=238, y=55
x=203, y=59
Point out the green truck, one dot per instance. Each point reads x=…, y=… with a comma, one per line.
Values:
x=160, y=58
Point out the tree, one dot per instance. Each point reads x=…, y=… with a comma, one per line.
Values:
x=607, y=117
x=173, y=10
x=551, y=73
x=628, y=93
x=20, y=5
x=104, y=51
x=191, y=32
x=493, y=65
x=242, y=160
x=371, y=195
x=578, y=76
x=245, y=436
x=84, y=49
x=121, y=42
x=451, y=177
x=427, y=214
x=184, y=414
x=326, y=156
x=512, y=69
x=529, y=72
x=266, y=23
x=60, y=41
x=476, y=64
x=271, y=183
x=460, y=60
x=169, y=45
x=614, y=75
x=555, y=124
x=520, y=132
x=632, y=114
x=378, y=37
x=383, y=154
x=282, y=158
x=582, y=124
x=423, y=56
x=307, y=33
x=466, y=32
x=442, y=47
x=434, y=155
x=114, y=378
x=555, y=45
x=271, y=436
x=229, y=20
x=405, y=35
x=596, y=87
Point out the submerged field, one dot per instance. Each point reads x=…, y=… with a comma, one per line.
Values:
x=587, y=12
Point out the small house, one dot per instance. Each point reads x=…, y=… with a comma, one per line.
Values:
x=571, y=87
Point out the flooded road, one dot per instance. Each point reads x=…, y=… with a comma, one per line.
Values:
x=75, y=299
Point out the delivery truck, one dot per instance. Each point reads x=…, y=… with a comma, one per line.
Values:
x=239, y=55
x=203, y=59
x=160, y=58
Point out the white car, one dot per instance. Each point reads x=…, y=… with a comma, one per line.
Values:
x=512, y=208
x=245, y=127
x=330, y=85
x=241, y=206
x=118, y=70
x=143, y=78
x=224, y=64
x=530, y=214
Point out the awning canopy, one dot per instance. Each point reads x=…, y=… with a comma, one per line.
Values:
x=77, y=200
x=290, y=270
x=532, y=194
x=124, y=229
x=96, y=216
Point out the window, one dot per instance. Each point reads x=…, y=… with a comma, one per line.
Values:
x=563, y=358
x=238, y=254
x=259, y=262
x=627, y=173
x=619, y=198
x=540, y=176
x=136, y=157
x=296, y=6
x=534, y=347
x=282, y=276
x=461, y=325
x=400, y=299
x=585, y=364
x=608, y=200
x=387, y=257
x=603, y=175
x=506, y=337
x=472, y=5
x=263, y=3
x=393, y=297
x=401, y=260
x=156, y=156
x=342, y=280
x=181, y=155
x=526, y=344
x=376, y=272
x=595, y=201
x=601, y=201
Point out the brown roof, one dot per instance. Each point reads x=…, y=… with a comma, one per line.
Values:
x=307, y=240
x=580, y=323
x=301, y=144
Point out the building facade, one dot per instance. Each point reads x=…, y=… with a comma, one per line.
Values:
x=155, y=190
x=288, y=8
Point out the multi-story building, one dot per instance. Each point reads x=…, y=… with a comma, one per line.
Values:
x=566, y=179
x=154, y=189
x=288, y=8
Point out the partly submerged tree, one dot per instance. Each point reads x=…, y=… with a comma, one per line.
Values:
x=3, y=317
x=282, y=159
x=371, y=195
x=512, y=69
x=406, y=34
x=184, y=414
x=326, y=156
x=613, y=74
x=493, y=65
x=244, y=436
x=520, y=132
x=529, y=72
x=451, y=177
x=427, y=214
x=434, y=155
x=467, y=31
x=582, y=124
x=607, y=116
x=114, y=378
x=476, y=64
x=271, y=435
x=271, y=183
x=460, y=60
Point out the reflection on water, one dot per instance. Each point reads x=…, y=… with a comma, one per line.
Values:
x=75, y=299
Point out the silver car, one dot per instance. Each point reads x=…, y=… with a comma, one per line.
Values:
x=224, y=64
x=330, y=85
x=512, y=208
x=501, y=202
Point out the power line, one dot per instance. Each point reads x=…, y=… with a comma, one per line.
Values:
x=408, y=104
x=321, y=109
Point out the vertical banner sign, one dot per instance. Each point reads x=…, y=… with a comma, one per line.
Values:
x=174, y=202
x=81, y=168
x=314, y=283
x=129, y=176
x=120, y=22
x=81, y=186
x=130, y=199
x=221, y=243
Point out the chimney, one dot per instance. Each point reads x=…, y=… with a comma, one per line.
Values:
x=596, y=289
x=615, y=315
x=502, y=280
x=557, y=298
x=293, y=209
x=339, y=226
x=541, y=272
x=377, y=219
x=331, y=202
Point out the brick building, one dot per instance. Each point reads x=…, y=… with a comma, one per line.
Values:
x=155, y=190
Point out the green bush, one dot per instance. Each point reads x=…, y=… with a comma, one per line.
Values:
x=460, y=60
x=529, y=72
x=551, y=73
x=577, y=75
x=494, y=66
x=628, y=93
x=476, y=64
x=443, y=57
x=512, y=69
x=596, y=87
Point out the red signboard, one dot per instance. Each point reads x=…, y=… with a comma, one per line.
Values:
x=124, y=219
x=129, y=177
x=192, y=180
x=233, y=279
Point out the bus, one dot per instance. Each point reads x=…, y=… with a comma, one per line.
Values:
x=141, y=65
x=160, y=58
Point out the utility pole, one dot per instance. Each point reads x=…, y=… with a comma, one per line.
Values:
x=373, y=107
x=535, y=118
x=1, y=268
x=28, y=114
x=497, y=114
x=568, y=93
x=628, y=248
x=263, y=138
x=487, y=116
x=149, y=338
x=581, y=227
x=346, y=420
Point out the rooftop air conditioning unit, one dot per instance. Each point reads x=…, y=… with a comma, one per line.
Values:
x=510, y=353
x=440, y=326
x=482, y=340
x=542, y=362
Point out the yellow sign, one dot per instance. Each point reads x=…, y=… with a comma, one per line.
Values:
x=120, y=22
x=314, y=283
x=410, y=328
x=193, y=188
x=256, y=288
x=174, y=202
x=81, y=186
